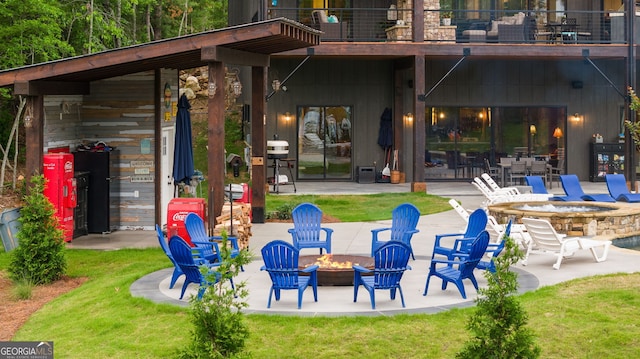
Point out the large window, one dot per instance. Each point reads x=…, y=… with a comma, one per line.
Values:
x=324, y=142
x=459, y=139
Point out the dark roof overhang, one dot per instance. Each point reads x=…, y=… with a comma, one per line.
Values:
x=232, y=44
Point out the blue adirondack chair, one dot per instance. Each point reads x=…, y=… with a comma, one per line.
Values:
x=177, y=272
x=494, y=250
x=477, y=223
x=460, y=268
x=390, y=262
x=617, y=186
x=307, y=228
x=182, y=253
x=573, y=189
x=281, y=262
x=404, y=220
x=207, y=246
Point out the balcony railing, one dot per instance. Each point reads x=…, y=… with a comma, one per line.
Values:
x=487, y=26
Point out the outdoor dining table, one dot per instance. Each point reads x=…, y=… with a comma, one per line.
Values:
x=506, y=166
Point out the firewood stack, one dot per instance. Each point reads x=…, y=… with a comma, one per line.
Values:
x=241, y=222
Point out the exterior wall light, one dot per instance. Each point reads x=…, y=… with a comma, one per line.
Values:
x=212, y=88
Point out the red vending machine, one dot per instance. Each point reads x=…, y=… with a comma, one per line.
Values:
x=60, y=189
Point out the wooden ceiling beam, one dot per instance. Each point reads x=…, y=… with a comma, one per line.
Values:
x=234, y=57
x=38, y=88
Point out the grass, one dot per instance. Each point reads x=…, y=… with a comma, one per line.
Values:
x=362, y=208
x=590, y=317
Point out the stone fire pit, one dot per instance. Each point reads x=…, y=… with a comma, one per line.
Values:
x=335, y=270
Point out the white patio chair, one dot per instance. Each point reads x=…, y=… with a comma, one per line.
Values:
x=491, y=196
x=546, y=239
x=493, y=185
x=460, y=210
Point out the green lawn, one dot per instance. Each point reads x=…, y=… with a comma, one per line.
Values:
x=362, y=208
x=586, y=318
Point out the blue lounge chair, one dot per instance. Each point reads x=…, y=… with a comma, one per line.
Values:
x=390, y=262
x=617, y=186
x=573, y=189
x=537, y=186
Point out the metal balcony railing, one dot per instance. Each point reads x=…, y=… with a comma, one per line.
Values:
x=487, y=26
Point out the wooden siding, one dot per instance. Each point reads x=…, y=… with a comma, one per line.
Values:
x=62, y=121
x=367, y=86
x=483, y=83
x=120, y=112
x=364, y=85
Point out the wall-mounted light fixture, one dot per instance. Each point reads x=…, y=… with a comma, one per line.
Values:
x=287, y=117
x=275, y=84
x=576, y=117
x=211, y=90
x=441, y=114
x=408, y=118
x=533, y=130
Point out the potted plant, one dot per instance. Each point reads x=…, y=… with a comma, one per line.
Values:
x=446, y=14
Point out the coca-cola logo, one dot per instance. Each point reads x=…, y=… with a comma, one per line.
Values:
x=179, y=216
x=68, y=166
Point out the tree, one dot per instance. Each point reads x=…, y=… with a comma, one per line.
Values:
x=498, y=323
x=633, y=126
x=35, y=33
x=40, y=255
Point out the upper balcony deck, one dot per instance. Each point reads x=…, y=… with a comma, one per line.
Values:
x=362, y=31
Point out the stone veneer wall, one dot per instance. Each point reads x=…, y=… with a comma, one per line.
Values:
x=432, y=28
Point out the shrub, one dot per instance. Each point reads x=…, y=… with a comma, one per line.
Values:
x=282, y=212
x=498, y=323
x=22, y=290
x=220, y=330
x=39, y=257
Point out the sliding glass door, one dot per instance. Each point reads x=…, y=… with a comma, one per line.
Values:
x=324, y=142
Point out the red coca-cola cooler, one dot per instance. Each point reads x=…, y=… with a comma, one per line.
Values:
x=60, y=189
x=177, y=211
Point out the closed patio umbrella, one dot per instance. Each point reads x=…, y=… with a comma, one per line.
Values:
x=385, y=137
x=183, y=150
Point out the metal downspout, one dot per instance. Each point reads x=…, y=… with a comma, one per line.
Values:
x=631, y=73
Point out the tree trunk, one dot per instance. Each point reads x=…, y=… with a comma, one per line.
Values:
x=13, y=133
x=158, y=22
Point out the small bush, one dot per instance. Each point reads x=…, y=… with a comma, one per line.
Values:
x=220, y=329
x=40, y=256
x=281, y=212
x=499, y=321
